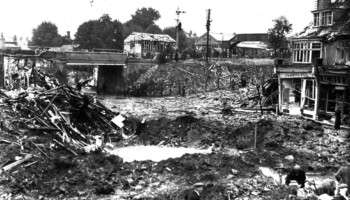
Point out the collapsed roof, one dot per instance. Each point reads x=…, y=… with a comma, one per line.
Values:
x=136, y=36
x=340, y=28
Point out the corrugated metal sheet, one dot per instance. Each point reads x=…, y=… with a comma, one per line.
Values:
x=136, y=36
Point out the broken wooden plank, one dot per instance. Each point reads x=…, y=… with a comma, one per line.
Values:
x=41, y=151
x=44, y=129
x=48, y=106
x=5, y=141
x=67, y=148
x=15, y=164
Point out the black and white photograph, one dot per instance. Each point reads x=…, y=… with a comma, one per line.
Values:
x=175, y=100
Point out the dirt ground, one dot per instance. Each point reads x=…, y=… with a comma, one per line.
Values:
x=198, y=121
x=241, y=143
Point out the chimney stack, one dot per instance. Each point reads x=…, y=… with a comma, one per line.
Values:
x=322, y=4
x=68, y=34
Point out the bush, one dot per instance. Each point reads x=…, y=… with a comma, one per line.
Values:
x=162, y=58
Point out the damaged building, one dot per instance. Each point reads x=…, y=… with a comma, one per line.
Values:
x=105, y=71
x=315, y=83
x=146, y=45
x=251, y=45
x=214, y=45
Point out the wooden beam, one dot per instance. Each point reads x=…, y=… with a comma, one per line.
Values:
x=317, y=99
x=327, y=96
x=2, y=72
x=279, y=94
x=303, y=93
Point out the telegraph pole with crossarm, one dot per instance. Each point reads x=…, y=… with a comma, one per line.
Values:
x=178, y=26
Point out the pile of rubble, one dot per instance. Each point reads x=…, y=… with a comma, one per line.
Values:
x=53, y=137
x=51, y=134
x=63, y=113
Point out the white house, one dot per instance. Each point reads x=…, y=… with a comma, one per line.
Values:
x=147, y=44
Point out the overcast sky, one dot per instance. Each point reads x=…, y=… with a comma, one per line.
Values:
x=229, y=16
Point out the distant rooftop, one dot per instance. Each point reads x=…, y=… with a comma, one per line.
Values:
x=136, y=36
x=223, y=36
x=253, y=45
x=202, y=40
x=263, y=37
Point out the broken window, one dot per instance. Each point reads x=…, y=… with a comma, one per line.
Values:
x=285, y=95
x=291, y=91
x=317, y=19
x=306, y=51
x=324, y=18
x=310, y=95
x=331, y=101
x=327, y=18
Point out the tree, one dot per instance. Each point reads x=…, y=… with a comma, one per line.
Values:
x=183, y=40
x=46, y=35
x=153, y=28
x=277, y=35
x=66, y=40
x=102, y=33
x=142, y=21
x=130, y=27
x=145, y=17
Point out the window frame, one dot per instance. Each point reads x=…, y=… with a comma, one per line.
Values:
x=302, y=51
x=323, y=18
x=317, y=19
x=327, y=18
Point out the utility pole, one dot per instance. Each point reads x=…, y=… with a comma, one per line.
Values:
x=208, y=51
x=208, y=36
x=178, y=26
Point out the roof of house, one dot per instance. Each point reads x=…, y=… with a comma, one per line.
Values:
x=253, y=45
x=136, y=36
x=337, y=4
x=223, y=36
x=202, y=40
x=263, y=37
x=64, y=48
x=340, y=28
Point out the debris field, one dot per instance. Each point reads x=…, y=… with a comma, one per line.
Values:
x=57, y=144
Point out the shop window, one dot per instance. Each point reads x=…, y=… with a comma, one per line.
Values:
x=310, y=94
x=285, y=95
x=332, y=96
